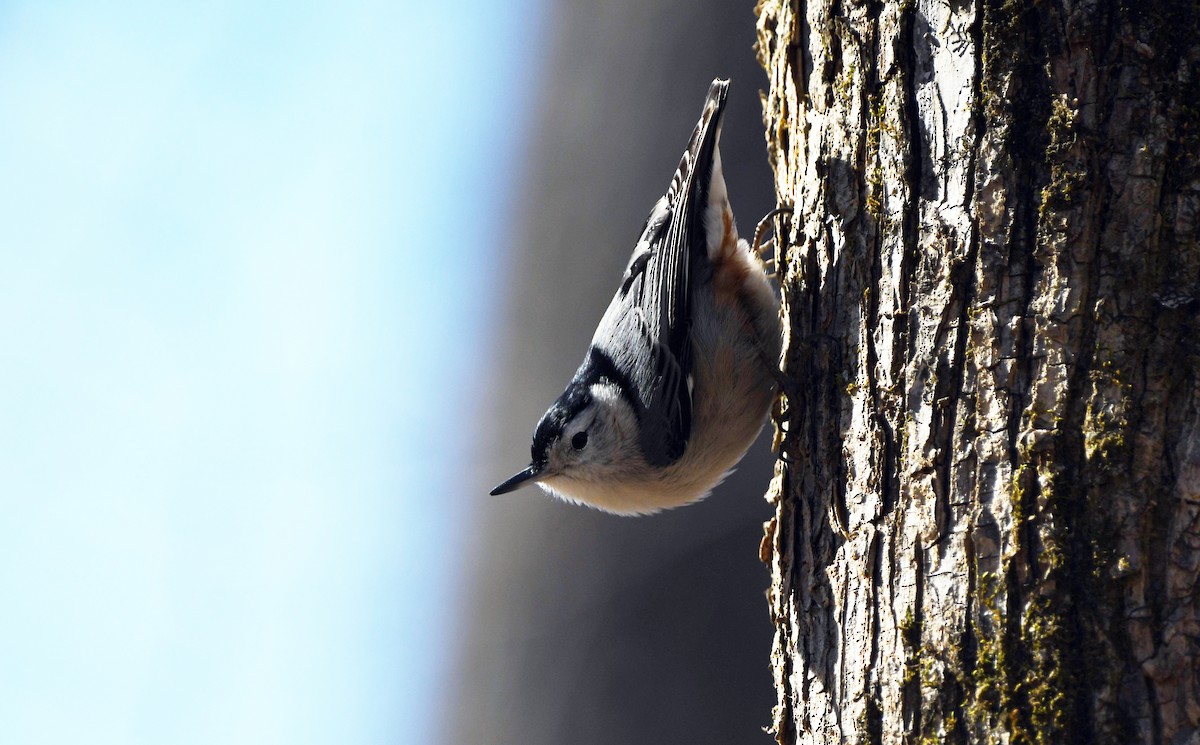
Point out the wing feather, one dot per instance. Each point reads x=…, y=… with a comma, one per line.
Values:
x=656, y=296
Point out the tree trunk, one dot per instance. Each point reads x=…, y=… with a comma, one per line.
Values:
x=987, y=520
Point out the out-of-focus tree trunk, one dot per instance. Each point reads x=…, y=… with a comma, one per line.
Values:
x=575, y=626
x=988, y=525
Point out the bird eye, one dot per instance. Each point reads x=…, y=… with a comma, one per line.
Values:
x=579, y=441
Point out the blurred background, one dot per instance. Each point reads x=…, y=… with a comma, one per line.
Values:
x=284, y=289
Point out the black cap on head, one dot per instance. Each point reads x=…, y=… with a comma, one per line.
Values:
x=573, y=400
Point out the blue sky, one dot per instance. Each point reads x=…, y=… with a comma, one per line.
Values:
x=244, y=245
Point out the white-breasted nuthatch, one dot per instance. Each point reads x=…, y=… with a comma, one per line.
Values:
x=679, y=377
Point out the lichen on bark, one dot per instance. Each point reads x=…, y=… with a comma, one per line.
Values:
x=987, y=518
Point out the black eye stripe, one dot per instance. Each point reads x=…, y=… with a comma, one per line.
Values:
x=580, y=440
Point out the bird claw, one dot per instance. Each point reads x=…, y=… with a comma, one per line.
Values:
x=759, y=247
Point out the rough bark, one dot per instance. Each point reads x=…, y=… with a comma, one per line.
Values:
x=987, y=520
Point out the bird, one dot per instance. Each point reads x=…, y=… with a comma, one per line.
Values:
x=680, y=374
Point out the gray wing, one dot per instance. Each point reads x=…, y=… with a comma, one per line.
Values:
x=647, y=329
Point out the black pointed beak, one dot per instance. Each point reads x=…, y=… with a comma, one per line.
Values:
x=516, y=482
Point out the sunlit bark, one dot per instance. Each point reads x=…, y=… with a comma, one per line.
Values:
x=987, y=525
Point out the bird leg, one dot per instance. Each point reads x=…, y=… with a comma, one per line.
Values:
x=759, y=248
